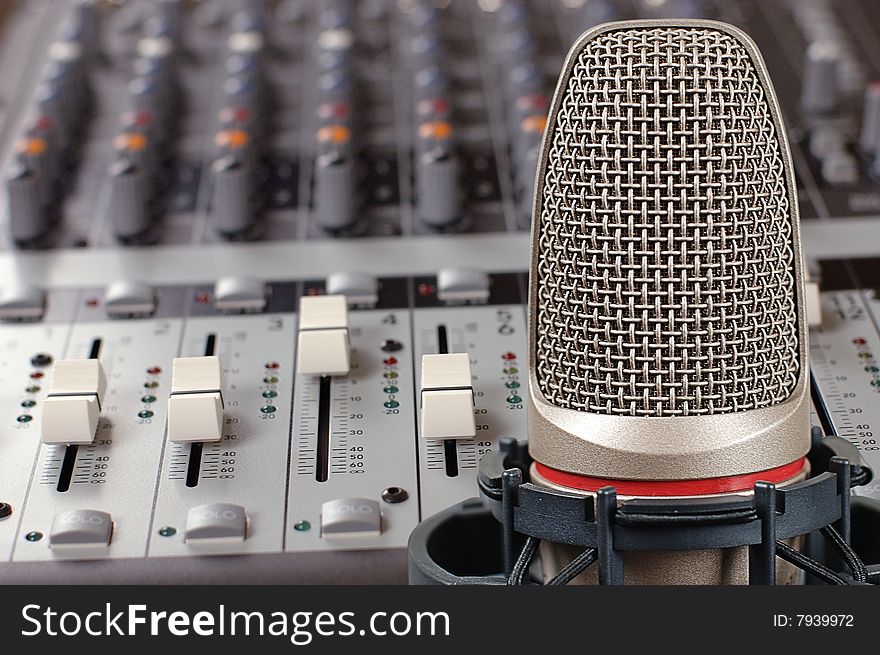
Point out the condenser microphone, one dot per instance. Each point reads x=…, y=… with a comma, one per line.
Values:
x=667, y=331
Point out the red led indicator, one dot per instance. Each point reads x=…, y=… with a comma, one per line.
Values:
x=272, y=365
x=36, y=375
x=435, y=106
x=426, y=289
x=859, y=342
x=92, y=302
x=154, y=370
x=133, y=119
x=313, y=292
x=43, y=124
x=390, y=361
x=143, y=118
x=234, y=115
x=203, y=298
x=333, y=110
x=508, y=356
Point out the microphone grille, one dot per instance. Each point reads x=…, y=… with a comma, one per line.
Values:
x=665, y=281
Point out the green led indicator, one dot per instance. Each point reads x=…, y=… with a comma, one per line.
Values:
x=390, y=389
x=302, y=526
x=876, y=383
x=268, y=409
x=514, y=400
x=145, y=413
x=270, y=394
x=872, y=369
x=28, y=403
x=33, y=536
x=25, y=418
x=391, y=404
x=513, y=384
x=167, y=531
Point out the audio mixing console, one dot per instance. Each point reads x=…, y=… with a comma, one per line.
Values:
x=178, y=177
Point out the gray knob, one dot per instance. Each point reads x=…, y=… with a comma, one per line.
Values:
x=27, y=218
x=335, y=205
x=821, y=91
x=129, y=200
x=439, y=200
x=869, y=138
x=230, y=196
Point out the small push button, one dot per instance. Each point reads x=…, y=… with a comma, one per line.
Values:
x=457, y=285
x=129, y=298
x=351, y=516
x=22, y=303
x=80, y=527
x=239, y=294
x=216, y=522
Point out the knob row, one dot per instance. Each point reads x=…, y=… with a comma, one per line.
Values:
x=437, y=160
x=45, y=150
x=337, y=185
x=143, y=146
x=239, y=169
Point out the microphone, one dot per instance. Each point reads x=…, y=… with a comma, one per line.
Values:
x=667, y=329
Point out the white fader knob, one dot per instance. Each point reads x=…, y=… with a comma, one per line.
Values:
x=447, y=399
x=195, y=407
x=324, y=347
x=70, y=412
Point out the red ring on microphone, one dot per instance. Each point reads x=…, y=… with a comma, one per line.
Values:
x=704, y=487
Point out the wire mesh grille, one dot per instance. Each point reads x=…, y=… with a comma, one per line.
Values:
x=665, y=279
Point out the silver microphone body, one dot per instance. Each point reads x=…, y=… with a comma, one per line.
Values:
x=668, y=340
